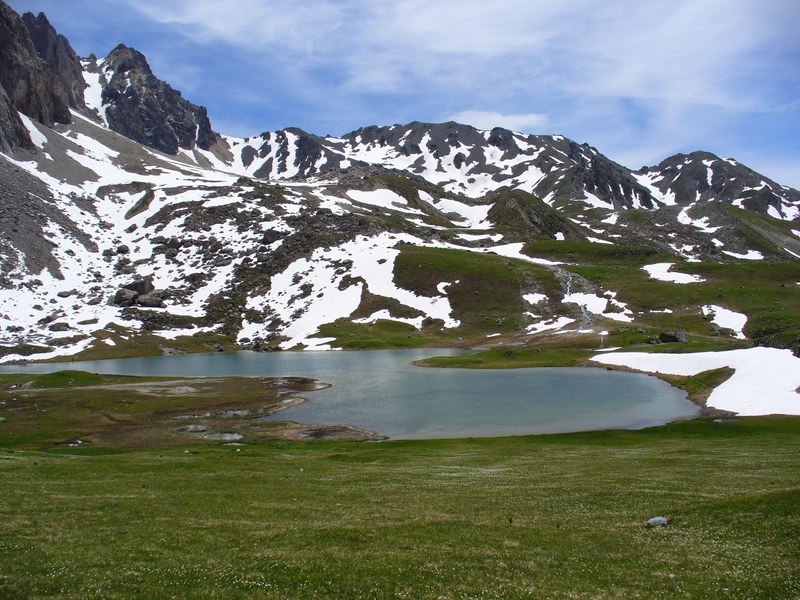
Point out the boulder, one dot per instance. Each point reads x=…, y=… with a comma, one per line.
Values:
x=153, y=300
x=667, y=337
x=125, y=297
x=140, y=286
x=658, y=522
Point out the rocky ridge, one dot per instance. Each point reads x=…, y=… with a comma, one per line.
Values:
x=28, y=84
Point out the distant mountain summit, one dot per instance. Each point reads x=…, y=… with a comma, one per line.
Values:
x=685, y=179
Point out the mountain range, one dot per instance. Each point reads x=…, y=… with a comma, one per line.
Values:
x=130, y=226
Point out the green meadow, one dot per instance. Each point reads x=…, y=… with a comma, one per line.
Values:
x=556, y=516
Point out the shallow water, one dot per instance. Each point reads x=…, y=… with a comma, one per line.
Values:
x=383, y=391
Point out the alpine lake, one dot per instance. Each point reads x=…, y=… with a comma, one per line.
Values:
x=384, y=392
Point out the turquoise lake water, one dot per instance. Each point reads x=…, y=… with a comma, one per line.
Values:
x=382, y=391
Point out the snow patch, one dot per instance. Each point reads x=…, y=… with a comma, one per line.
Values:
x=726, y=319
x=549, y=325
x=37, y=137
x=765, y=380
x=383, y=199
x=534, y=298
x=662, y=272
x=750, y=255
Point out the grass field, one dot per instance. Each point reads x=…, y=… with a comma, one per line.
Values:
x=532, y=517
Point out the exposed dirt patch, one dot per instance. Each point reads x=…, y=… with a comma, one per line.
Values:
x=344, y=433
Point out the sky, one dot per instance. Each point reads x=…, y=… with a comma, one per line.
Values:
x=639, y=81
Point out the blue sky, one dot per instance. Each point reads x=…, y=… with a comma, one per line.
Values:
x=638, y=80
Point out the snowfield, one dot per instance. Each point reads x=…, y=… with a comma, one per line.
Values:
x=662, y=272
x=727, y=319
x=765, y=381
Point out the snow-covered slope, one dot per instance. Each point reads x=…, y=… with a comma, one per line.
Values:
x=702, y=177
x=132, y=240
x=460, y=158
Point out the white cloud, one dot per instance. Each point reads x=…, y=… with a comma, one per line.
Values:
x=486, y=119
x=254, y=24
x=677, y=52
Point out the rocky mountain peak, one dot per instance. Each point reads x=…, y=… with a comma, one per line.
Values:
x=705, y=177
x=123, y=59
x=502, y=139
x=145, y=109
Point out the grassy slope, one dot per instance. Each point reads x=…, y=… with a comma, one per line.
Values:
x=767, y=293
x=548, y=516
x=488, y=297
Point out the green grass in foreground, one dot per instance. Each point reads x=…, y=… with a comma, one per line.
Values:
x=532, y=517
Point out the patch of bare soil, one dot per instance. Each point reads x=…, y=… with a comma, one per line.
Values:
x=342, y=433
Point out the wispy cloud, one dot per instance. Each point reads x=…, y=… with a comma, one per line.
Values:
x=253, y=24
x=674, y=52
x=486, y=119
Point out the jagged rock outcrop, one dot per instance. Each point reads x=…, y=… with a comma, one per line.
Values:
x=57, y=52
x=26, y=78
x=140, y=106
x=13, y=133
x=292, y=150
x=609, y=181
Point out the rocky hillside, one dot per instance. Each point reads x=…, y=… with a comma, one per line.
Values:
x=130, y=227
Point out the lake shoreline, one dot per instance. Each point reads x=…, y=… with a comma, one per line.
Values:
x=360, y=390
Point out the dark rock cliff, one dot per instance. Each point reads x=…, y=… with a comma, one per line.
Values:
x=25, y=77
x=57, y=52
x=13, y=133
